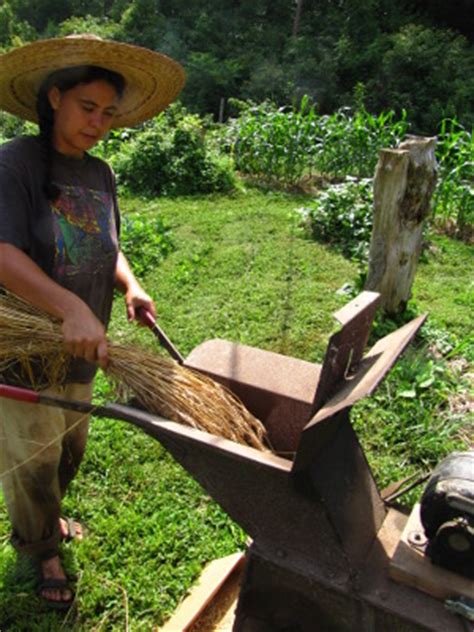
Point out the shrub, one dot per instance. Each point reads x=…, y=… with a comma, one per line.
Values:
x=170, y=156
x=12, y=126
x=342, y=216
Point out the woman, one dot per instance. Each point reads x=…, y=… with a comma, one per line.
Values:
x=59, y=250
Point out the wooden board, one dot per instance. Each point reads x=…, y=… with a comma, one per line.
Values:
x=410, y=566
x=211, y=603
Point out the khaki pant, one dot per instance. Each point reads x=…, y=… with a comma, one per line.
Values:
x=38, y=459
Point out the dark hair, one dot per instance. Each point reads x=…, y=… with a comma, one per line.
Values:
x=65, y=79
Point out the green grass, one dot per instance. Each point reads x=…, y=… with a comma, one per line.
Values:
x=241, y=269
x=445, y=285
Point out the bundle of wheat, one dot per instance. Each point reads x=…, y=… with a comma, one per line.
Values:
x=30, y=337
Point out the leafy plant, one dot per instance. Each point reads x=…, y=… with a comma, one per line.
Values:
x=12, y=126
x=350, y=142
x=342, y=216
x=275, y=143
x=169, y=156
x=409, y=418
x=145, y=242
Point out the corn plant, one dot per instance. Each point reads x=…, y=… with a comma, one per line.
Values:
x=274, y=143
x=350, y=143
x=286, y=144
x=454, y=197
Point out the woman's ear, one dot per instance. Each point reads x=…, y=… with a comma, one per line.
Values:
x=54, y=97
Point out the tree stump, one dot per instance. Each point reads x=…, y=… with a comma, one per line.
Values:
x=404, y=182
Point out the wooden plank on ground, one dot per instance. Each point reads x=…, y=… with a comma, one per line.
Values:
x=204, y=592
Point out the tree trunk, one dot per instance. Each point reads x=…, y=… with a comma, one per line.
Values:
x=296, y=21
x=404, y=183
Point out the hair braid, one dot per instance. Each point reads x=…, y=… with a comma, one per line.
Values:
x=46, y=127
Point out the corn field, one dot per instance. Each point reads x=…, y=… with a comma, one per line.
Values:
x=290, y=145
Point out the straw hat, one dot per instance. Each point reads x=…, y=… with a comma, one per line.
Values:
x=153, y=80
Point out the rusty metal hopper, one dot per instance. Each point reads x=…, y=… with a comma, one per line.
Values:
x=320, y=530
x=321, y=533
x=312, y=509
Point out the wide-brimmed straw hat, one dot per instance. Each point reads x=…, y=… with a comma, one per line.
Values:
x=153, y=80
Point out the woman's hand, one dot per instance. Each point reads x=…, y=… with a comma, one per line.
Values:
x=135, y=296
x=84, y=335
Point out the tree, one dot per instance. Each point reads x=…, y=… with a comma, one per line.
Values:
x=429, y=72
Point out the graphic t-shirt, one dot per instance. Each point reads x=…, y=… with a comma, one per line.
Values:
x=73, y=239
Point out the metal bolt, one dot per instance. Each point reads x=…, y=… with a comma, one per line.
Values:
x=417, y=538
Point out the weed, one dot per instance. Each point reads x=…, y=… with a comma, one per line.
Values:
x=407, y=426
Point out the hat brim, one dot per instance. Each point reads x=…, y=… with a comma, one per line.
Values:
x=152, y=79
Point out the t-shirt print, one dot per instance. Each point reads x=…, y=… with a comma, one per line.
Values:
x=85, y=234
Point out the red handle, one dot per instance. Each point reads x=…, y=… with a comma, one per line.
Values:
x=145, y=317
x=20, y=394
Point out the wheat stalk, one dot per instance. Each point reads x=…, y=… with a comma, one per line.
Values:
x=33, y=339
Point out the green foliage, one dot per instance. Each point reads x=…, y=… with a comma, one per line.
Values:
x=272, y=143
x=408, y=426
x=38, y=14
x=276, y=144
x=403, y=52
x=342, y=216
x=169, y=156
x=143, y=23
x=284, y=145
x=14, y=31
x=11, y=126
x=428, y=72
x=453, y=202
x=145, y=242
x=349, y=142
x=209, y=79
x=101, y=26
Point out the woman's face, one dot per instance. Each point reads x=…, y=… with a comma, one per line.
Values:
x=82, y=116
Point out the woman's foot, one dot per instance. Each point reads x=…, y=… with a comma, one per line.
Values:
x=53, y=585
x=70, y=529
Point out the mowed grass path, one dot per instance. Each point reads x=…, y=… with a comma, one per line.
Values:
x=243, y=270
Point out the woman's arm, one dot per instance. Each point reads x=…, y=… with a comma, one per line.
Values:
x=84, y=334
x=126, y=283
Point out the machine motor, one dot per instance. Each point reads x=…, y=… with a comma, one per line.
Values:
x=447, y=513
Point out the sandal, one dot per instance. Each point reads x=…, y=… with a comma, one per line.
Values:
x=56, y=584
x=72, y=533
x=51, y=583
